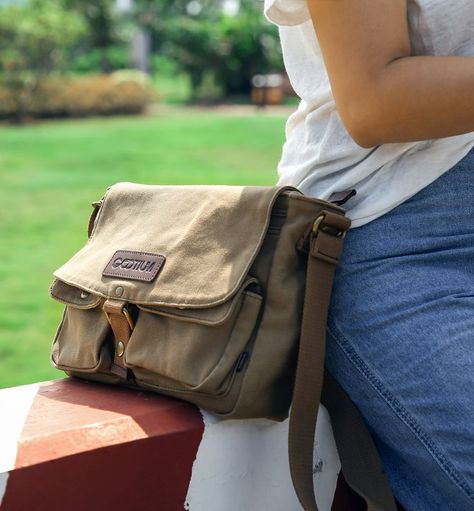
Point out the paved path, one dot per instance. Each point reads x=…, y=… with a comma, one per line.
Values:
x=231, y=110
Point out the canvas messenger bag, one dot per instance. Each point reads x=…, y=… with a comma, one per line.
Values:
x=217, y=295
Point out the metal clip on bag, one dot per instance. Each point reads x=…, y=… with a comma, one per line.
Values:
x=217, y=295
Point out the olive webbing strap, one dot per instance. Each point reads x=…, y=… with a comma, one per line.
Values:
x=362, y=472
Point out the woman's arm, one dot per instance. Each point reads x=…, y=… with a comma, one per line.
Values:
x=382, y=93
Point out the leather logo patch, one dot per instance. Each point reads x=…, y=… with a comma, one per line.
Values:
x=128, y=264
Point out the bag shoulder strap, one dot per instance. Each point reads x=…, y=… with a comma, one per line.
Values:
x=360, y=464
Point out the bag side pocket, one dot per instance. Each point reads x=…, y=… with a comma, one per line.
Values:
x=186, y=352
x=81, y=341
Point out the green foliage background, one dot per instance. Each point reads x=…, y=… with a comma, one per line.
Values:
x=214, y=52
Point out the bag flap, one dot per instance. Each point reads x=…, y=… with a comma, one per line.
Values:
x=209, y=316
x=69, y=295
x=175, y=246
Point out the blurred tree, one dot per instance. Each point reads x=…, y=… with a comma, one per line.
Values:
x=181, y=31
x=102, y=22
x=217, y=47
x=35, y=39
x=248, y=45
x=202, y=39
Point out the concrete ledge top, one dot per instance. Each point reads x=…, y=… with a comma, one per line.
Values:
x=70, y=416
x=75, y=445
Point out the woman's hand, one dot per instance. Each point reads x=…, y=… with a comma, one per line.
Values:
x=382, y=93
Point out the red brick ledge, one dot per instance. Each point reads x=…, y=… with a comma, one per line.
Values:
x=76, y=445
x=86, y=446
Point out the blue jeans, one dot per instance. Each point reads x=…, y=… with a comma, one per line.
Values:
x=401, y=339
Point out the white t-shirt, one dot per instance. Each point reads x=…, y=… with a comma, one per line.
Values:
x=320, y=157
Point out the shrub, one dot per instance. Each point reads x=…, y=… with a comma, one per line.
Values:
x=35, y=38
x=118, y=93
x=92, y=61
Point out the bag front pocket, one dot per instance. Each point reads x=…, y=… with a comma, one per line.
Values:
x=81, y=340
x=193, y=349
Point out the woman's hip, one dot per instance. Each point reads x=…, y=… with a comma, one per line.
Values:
x=401, y=326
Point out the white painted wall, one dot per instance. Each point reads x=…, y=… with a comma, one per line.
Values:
x=15, y=404
x=243, y=466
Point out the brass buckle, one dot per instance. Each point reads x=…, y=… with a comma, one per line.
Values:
x=127, y=315
x=317, y=224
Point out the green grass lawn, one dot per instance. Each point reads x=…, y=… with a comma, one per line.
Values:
x=51, y=172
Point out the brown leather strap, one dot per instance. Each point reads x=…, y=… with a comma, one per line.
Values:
x=325, y=248
x=122, y=327
x=309, y=371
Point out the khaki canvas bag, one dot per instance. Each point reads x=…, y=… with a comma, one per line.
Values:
x=217, y=295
